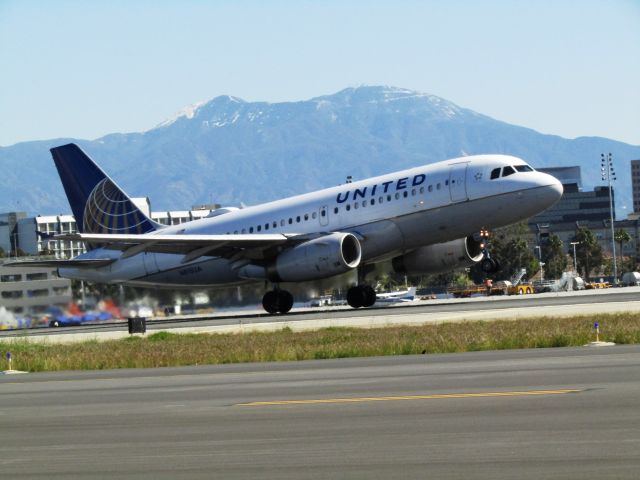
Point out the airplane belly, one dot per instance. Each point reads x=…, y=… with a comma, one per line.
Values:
x=150, y=263
x=431, y=226
x=459, y=220
x=210, y=271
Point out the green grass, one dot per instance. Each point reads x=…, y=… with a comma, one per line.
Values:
x=164, y=349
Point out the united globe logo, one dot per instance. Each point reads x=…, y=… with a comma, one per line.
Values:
x=109, y=210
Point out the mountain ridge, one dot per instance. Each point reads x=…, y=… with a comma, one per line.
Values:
x=228, y=150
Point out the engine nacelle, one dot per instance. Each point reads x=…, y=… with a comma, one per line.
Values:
x=321, y=257
x=441, y=257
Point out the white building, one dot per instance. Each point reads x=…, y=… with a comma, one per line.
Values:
x=33, y=234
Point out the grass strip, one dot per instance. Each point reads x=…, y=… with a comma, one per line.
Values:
x=165, y=349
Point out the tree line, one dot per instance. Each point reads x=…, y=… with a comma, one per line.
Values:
x=513, y=250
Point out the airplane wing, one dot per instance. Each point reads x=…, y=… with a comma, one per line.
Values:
x=190, y=245
x=61, y=263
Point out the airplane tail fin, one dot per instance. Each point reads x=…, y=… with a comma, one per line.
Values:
x=98, y=204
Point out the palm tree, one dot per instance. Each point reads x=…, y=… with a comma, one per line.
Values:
x=555, y=257
x=588, y=251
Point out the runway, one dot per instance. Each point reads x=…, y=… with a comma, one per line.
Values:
x=560, y=413
x=420, y=312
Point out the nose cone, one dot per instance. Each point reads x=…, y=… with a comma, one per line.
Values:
x=556, y=189
x=552, y=190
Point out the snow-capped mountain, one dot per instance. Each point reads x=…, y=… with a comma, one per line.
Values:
x=230, y=151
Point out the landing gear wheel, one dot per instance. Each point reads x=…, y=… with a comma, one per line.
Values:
x=370, y=296
x=285, y=301
x=270, y=302
x=489, y=265
x=355, y=297
x=361, y=296
x=277, y=301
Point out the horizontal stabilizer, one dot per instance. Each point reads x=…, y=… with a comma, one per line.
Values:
x=61, y=263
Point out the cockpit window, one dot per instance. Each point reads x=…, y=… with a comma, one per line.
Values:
x=495, y=173
x=524, y=168
x=506, y=171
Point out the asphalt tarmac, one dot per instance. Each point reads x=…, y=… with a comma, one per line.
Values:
x=558, y=413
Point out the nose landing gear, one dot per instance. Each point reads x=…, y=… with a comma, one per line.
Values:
x=488, y=264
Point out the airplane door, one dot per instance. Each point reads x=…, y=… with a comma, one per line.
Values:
x=324, y=216
x=458, y=182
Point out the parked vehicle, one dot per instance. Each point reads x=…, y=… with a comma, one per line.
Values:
x=631, y=279
x=59, y=318
x=321, y=301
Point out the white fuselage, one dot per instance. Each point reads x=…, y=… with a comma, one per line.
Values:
x=390, y=215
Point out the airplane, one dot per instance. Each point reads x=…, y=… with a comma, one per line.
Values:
x=402, y=296
x=422, y=220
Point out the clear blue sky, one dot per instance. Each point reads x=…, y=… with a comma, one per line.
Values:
x=83, y=69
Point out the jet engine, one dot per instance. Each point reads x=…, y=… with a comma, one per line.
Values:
x=321, y=257
x=441, y=257
x=315, y=259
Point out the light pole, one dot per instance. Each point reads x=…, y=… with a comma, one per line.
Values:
x=575, y=261
x=606, y=169
x=540, y=262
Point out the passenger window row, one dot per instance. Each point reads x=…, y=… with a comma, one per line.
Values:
x=266, y=226
x=336, y=210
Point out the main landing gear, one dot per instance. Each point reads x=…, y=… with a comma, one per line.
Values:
x=361, y=296
x=281, y=301
x=277, y=301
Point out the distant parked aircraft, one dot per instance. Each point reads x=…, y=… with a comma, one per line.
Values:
x=401, y=296
x=424, y=220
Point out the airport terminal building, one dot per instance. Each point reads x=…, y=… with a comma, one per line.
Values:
x=590, y=209
x=576, y=205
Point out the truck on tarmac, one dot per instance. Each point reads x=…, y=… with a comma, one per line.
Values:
x=515, y=286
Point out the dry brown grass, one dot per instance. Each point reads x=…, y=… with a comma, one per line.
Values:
x=166, y=349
